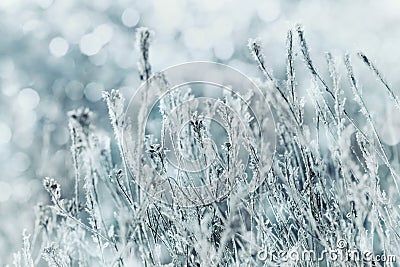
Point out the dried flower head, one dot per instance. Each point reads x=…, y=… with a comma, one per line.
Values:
x=143, y=39
x=80, y=120
x=52, y=187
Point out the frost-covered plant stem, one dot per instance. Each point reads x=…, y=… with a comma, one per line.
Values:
x=367, y=115
x=325, y=184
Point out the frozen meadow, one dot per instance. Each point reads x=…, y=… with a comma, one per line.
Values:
x=200, y=177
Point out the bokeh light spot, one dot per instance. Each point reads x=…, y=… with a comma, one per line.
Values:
x=224, y=50
x=269, y=10
x=58, y=47
x=5, y=133
x=5, y=191
x=74, y=90
x=93, y=91
x=130, y=17
x=91, y=44
x=28, y=99
x=20, y=162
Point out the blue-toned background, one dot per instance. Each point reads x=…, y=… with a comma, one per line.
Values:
x=59, y=55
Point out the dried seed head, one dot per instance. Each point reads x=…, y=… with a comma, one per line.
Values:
x=52, y=187
x=143, y=39
x=256, y=50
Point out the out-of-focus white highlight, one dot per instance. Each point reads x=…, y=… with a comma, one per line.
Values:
x=130, y=17
x=58, y=47
x=74, y=90
x=269, y=10
x=91, y=44
x=28, y=99
x=93, y=91
x=5, y=191
x=5, y=133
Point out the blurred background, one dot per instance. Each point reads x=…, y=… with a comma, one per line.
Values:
x=59, y=55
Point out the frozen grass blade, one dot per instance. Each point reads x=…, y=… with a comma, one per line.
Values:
x=375, y=70
x=321, y=189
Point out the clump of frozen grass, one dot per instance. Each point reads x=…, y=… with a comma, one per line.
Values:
x=336, y=194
